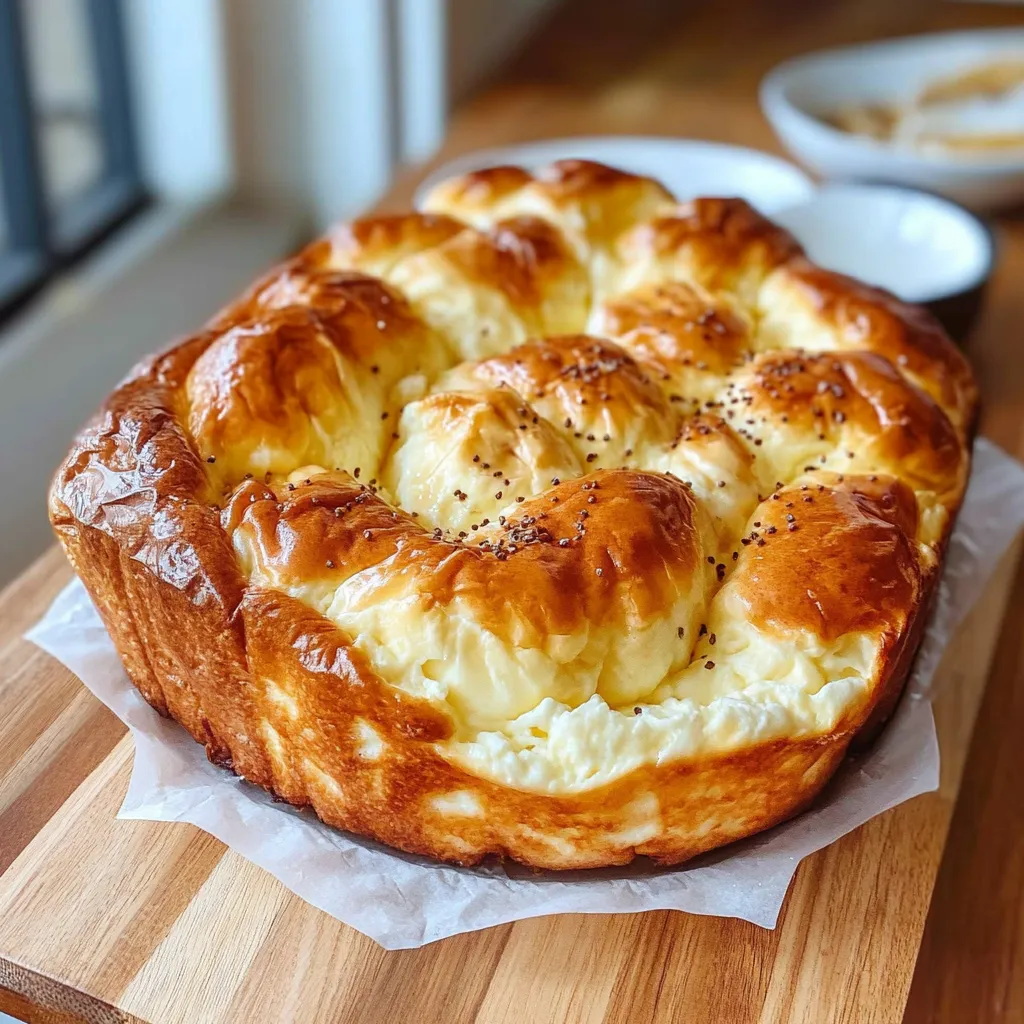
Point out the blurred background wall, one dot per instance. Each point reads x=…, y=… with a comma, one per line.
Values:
x=189, y=144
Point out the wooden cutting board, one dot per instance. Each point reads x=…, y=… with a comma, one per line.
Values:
x=120, y=920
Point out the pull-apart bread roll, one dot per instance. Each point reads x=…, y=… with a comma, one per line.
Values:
x=559, y=521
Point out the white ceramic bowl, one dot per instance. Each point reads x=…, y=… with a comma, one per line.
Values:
x=796, y=94
x=686, y=167
x=923, y=248
x=917, y=245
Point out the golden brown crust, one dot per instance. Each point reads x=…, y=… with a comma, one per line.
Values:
x=605, y=547
x=674, y=325
x=844, y=558
x=853, y=315
x=720, y=245
x=474, y=592
x=375, y=243
x=592, y=205
x=858, y=402
x=590, y=388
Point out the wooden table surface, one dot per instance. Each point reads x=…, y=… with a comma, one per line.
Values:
x=103, y=920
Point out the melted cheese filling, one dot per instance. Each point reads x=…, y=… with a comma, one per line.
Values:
x=589, y=707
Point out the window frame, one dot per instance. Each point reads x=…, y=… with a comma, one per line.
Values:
x=41, y=243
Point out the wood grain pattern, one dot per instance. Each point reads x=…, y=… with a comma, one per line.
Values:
x=971, y=964
x=103, y=920
x=158, y=922
x=21, y=1009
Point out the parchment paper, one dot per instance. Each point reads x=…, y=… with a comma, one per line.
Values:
x=402, y=901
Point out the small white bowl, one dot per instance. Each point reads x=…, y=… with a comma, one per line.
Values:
x=687, y=168
x=923, y=248
x=917, y=245
x=797, y=94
